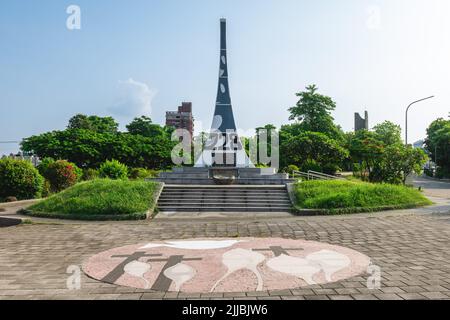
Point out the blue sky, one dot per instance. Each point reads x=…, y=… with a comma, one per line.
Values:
x=146, y=56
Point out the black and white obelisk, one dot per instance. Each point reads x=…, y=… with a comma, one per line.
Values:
x=224, y=110
x=223, y=149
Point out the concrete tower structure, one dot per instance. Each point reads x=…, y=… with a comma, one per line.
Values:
x=223, y=148
x=361, y=123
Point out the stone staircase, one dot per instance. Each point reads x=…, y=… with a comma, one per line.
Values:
x=235, y=198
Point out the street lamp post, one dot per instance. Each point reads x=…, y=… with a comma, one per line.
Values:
x=406, y=116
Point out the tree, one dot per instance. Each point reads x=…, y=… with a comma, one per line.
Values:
x=388, y=132
x=366, y=150
x=90, y=148
x=85, y=148
x=382, y=155
x=397, y=163
x=93, y=123
x=313, y=150
x=313, y=112
x=438, y=145
x=143, y=126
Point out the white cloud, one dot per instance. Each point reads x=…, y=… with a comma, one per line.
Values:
x=134, y=99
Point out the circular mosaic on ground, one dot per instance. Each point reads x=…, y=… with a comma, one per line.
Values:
x=226, y=265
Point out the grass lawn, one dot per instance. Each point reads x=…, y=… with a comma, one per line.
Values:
x=335, y=197
x=100, y=199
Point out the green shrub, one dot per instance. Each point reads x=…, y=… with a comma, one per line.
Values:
x=142, y=173
x=62, y=174
x=311, y=165
x=47, y=189
x=100, y=199
x=290, y=169
x=154, y=173
x=90, y=174
x=43, y=166
x=346, y=194
x=113, y=170
x=18, y=178
x=78, y=171
x=330, y=168
x=360, y=172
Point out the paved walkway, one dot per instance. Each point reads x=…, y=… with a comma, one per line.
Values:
x=410, y=246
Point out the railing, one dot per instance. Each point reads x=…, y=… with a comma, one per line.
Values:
x=313, y=175
x=325, y=176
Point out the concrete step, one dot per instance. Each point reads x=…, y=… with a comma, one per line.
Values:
x=224, y=200
x=265, y=192
x=235, y=198
x=223, y=196
x=228, y=200
x=228, y=187
x=224, y=209
x=219, y=192
x=222, y=204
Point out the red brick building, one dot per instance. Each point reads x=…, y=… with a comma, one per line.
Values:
x=181, y=119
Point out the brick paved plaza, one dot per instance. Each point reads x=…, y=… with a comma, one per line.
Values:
x=411, y=247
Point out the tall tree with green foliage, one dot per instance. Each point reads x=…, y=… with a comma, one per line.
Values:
x=89, y=148
x=313, y=151
x=382, y=155
x=397, y=163
x=438, y=145
x=93, y=123
x=145, y=127
x=313, y=112
x=366, y=150
x=313, y=141
x=388, y=132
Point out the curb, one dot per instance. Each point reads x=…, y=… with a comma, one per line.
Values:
x=153, y=211
x=356, y=210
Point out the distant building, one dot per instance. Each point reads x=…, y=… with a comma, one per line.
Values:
x=181, y=119
x=361, y=123
x=419, y=144
x=35, y=160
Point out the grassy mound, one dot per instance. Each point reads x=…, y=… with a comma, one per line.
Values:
x=100, y=199
x=336, y=197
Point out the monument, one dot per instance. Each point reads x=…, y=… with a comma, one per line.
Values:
x=361, y=123
x=223, y=159
x=223, y=148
